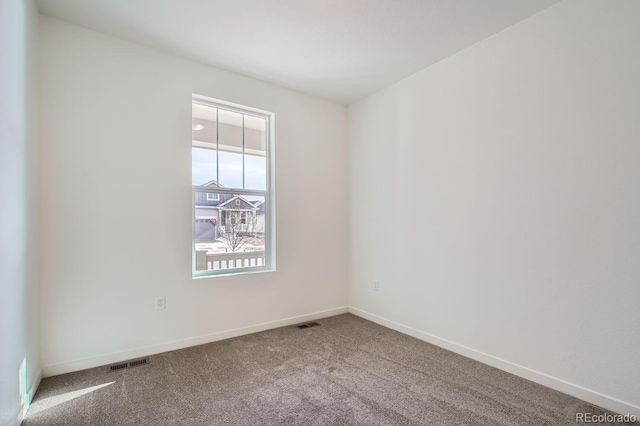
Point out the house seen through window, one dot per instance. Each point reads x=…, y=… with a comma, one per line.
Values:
x=233, y=224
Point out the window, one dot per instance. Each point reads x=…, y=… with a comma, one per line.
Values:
x=232, y=164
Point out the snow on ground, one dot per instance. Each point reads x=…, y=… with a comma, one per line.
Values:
x=219, y=246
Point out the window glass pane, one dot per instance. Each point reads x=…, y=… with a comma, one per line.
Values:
x=203, y=166
x=203, y=126
x=230, y=149
x=255, y=153
x=229, y=231
x=230, y=169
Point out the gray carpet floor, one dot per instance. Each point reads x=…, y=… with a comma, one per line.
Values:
x=347, y=371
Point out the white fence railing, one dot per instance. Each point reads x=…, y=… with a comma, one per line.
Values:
x=215, y=261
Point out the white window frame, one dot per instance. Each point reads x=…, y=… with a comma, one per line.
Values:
x=269, y=194
x=214, y=196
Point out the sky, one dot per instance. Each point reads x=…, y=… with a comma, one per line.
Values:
x=204, y=169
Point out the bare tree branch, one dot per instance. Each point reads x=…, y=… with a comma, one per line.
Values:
x=236, y=233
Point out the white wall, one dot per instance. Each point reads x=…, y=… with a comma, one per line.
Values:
x=522, y=156
x=116, y=135
x=18, y=203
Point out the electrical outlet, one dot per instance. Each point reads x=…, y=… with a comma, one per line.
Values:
x=161, y=302
x=376, y=285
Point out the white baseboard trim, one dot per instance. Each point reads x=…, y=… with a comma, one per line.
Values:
x=34, y=387
x=591, y=396
x=83, y=364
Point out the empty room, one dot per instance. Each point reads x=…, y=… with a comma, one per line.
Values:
x=319, y=212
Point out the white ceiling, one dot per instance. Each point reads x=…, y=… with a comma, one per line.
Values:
x=342, y=50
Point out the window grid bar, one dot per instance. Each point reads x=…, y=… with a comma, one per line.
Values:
x=235, y=191
x=217, y=148
x=243, y=184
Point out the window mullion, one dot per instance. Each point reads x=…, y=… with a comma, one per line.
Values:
x=217, y=147
x=236, y=191
x=243, y=183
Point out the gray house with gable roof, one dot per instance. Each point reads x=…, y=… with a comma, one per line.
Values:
x=214, y=211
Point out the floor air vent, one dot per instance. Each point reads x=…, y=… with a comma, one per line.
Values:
x=128, y=364
x=309, y=324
